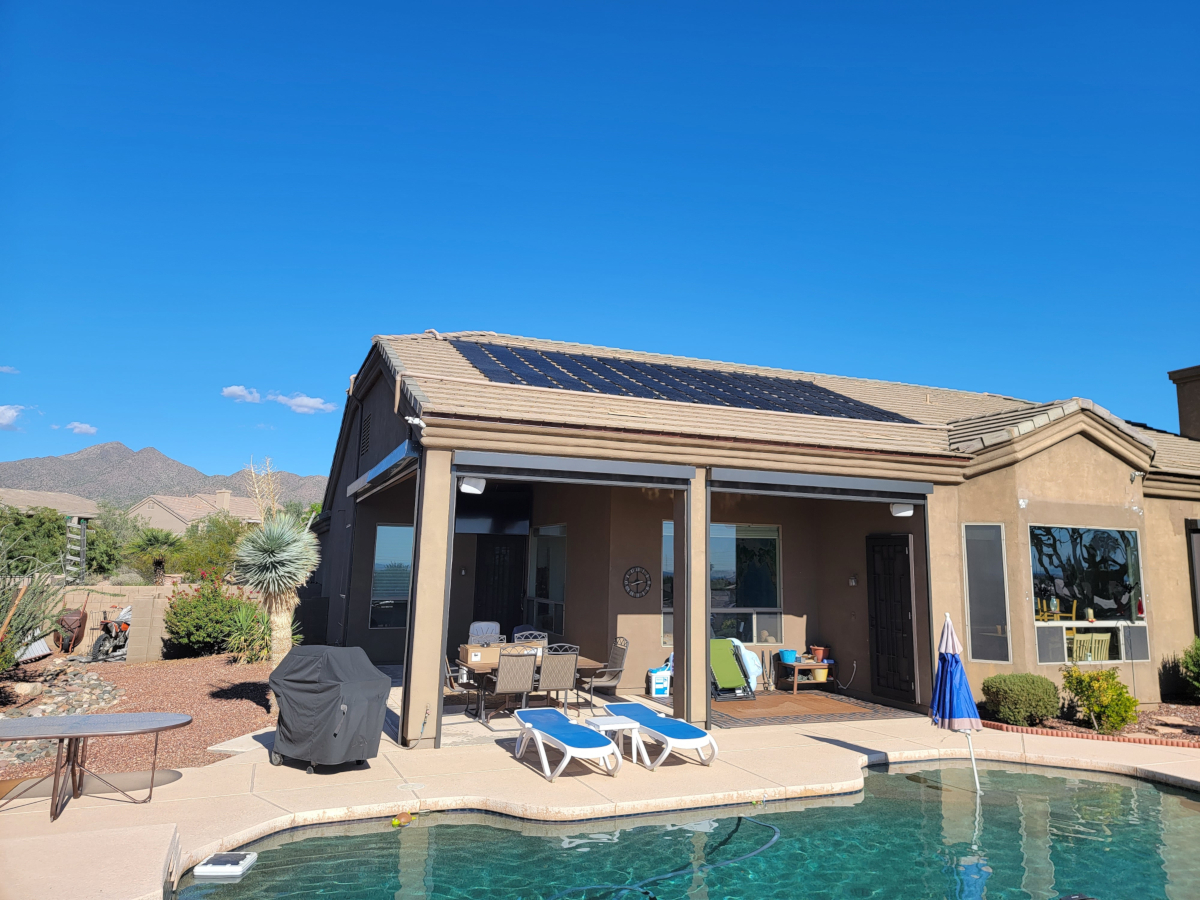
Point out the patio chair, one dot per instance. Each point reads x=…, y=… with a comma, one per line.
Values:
x=549, y=726
x=458, y=682
x=531, y=637
x=610, y=676
x=525, y=629
x=559, y=663
x=484, y=633
x=730, y=681
x=673, y=734
x=515, y=671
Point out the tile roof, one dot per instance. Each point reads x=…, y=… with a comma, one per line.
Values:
x=67, y=504
x=199, y=506
x=974, y=434
x=486, y=375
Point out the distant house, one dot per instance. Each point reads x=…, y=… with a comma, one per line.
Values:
x=68, y=504
x=177, y=513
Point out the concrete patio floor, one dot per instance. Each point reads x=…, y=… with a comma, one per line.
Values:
x=225, y=805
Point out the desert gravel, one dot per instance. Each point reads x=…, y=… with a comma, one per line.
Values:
x=224, y=699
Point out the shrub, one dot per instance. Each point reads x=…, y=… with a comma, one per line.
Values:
x=1022, y=699
x=250, y=634
x=249, y=637
x=127, y=579
x=1189, y=666
x=1101, y=695
x=198, y=619
x=209, y=546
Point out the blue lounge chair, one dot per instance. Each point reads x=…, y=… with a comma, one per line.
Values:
x=550, y=726
x=673, y=734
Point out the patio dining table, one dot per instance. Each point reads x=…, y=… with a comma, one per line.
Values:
x=478, y=669
x=72, y=734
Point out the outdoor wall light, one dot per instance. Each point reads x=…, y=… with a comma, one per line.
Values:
x=473, y=485
x=900, y=510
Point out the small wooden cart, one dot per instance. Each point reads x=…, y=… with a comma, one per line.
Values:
x=805, y=665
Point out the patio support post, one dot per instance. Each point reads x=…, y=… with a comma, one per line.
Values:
x=423, y=669
x=691, y=601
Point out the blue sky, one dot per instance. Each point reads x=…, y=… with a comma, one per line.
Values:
x=199, y=196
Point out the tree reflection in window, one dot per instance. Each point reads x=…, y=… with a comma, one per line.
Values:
x=1085, y=573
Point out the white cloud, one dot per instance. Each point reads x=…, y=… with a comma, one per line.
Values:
x=9, y=370
x=55, y=427
x=302, y=403
x=241, y=394
x=81, y=428
x=8, y=417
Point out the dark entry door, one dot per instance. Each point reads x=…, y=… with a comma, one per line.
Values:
x=890, y=615
x=500, y=579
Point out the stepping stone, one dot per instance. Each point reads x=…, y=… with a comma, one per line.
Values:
x=1164, y=729
x=1172, y=720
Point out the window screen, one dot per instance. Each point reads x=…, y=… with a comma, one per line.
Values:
x=988, y=614
x=391, y=579
x=1137, y=642
x=1051, y=645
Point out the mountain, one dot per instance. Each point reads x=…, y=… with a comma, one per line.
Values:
x=117, y=474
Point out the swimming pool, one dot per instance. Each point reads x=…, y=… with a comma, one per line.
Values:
x=914, y=832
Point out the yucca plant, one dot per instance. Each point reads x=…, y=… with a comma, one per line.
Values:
x=249, y=639
x=275, y=559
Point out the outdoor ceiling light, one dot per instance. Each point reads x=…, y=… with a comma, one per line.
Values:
x=473, y=485
x=901, y=510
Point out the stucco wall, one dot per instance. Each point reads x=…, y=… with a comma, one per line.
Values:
x=1074, y=483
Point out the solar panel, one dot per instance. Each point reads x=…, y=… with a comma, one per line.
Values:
x=478, y=357
x=572, y=366
x=519, y=367
x=663, y=381
x=551, y=371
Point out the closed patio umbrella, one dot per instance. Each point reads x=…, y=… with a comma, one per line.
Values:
x=952, y=706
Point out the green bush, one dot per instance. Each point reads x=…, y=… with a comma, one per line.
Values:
x=1102, y=696
x=250, y=634
x=1021, y=699
x=1189, y=666
x=198, y=619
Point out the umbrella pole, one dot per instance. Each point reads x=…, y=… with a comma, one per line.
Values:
x=974, y=767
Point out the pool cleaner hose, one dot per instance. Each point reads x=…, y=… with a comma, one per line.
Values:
x=620, y=890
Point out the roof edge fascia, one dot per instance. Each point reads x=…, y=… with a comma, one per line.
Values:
x=1171, y=486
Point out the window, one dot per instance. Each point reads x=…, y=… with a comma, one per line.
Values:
x=987, y=600
x=668, y=583
x=1087, y=595
x=547, y=585
x=743, y=562
x=391, y=578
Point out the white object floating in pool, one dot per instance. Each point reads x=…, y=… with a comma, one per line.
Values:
x=226, y=867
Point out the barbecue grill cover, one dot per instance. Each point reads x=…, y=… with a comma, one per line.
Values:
x=332, y=703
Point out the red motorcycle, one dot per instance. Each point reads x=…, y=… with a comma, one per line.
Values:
x=114, y=635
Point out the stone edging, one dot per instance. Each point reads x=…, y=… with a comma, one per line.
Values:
x=1089, y=736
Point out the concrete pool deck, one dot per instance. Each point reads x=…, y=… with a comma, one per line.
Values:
x=243, y=798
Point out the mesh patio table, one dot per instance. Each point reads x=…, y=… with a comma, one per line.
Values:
x=72, y=734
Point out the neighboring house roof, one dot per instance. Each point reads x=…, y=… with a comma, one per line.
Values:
x=67, y=504
x=200, y=506
x=484, y=376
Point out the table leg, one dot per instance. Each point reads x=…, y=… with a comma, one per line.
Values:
x=153, y=766
x=55, y=809
x=75, y=761
x=795, y=678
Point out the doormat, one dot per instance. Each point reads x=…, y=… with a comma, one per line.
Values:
x=780, y=708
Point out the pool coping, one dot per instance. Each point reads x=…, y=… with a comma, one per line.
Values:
x=625, y=809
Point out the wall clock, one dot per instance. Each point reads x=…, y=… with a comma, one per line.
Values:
x=637, y=582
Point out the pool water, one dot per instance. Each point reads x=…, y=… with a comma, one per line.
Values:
x=914, y=832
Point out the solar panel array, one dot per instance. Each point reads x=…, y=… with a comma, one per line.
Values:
x=662, y=381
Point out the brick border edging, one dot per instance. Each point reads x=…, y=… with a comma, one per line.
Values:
x=1088, y=736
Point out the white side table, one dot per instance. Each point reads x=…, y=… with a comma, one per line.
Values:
x=618, y=726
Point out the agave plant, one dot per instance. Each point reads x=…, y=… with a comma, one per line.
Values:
x=275, y=559
x=30, y=603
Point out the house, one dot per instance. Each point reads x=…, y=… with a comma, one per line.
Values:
x=177, y=513
x=595, y=492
